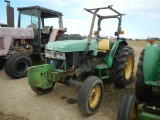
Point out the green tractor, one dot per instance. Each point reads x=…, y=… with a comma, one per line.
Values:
x=84, y=63
x=146, y=105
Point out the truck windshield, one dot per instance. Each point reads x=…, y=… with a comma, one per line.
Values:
x=29, y=18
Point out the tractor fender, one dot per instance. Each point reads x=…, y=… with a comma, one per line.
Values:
x=113, y=51
x=151, y=64
x=55, y=33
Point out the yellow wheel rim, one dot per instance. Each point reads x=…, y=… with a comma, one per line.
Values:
x=128, y=68
x=94, y=96
x=133, y=113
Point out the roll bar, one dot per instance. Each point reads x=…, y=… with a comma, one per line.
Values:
x=100, y=17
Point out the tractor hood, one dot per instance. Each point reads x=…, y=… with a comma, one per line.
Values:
x=72, y=45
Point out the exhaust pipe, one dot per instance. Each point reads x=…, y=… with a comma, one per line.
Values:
x=10, y=14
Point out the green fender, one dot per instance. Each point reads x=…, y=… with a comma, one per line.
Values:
x=151, y=65
x=110, y=57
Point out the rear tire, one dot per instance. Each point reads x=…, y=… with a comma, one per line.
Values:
x=76, y=36
x=122, y=67
x=142, y=91
x=90, y=95
x=16, y=65
x=62, y=37
x=41, y=91
x=127, y=108
x=69, y=37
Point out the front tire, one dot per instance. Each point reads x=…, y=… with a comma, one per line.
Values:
x=127, y=108
x=122, y=67
x=16, y=65
x=142, y=91
x=90, y=95
x=41, y=91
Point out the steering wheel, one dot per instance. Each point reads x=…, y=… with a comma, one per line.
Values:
x=34, y=22
x=99, y=38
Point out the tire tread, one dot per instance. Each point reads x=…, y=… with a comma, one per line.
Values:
x=118, y=66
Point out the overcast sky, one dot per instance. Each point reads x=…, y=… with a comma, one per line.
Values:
x=142, y=17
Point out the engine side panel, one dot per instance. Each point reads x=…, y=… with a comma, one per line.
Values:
x=8, y=34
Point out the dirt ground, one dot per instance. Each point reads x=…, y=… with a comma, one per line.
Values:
x=19, y=102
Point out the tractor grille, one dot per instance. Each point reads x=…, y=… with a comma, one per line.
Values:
x=55, y=55
x=1, y=43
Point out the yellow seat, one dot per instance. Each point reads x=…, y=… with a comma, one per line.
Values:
x=104, y=44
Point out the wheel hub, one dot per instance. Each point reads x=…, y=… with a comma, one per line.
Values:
x=94, y=96
x=21, y=67
x=128, y=67
x=133, y=113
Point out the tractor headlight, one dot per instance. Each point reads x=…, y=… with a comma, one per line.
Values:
x=60, y=55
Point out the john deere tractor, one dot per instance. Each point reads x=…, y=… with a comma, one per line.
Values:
x=145, y=105
x=84, y=63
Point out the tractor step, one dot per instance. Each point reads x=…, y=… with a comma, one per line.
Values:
x=104, y=77
x=101, y=67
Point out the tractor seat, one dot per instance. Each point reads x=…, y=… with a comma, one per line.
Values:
x=46, y=30
x=104, y=45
